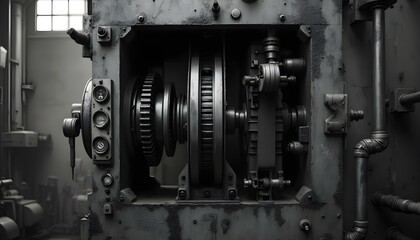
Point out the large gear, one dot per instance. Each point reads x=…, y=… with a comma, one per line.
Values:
x=146, y=119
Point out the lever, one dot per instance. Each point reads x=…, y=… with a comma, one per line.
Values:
x=71, y=129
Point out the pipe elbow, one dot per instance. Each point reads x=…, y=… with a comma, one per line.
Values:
x=357, y=233
x=378, y=142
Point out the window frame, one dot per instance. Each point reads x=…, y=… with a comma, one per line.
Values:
x=52, y=15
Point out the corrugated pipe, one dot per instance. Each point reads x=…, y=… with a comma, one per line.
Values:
x=379, y=139
x=396, y=203
x=394, y=233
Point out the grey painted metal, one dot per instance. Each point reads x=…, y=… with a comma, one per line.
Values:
x=199, y=13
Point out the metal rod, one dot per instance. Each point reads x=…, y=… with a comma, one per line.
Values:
x=396, y=203
x=379, y=69
x=410, y=99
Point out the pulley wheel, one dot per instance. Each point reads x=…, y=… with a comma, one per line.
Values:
x=206, y=118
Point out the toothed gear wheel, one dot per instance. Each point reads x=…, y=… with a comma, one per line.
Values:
x=151, y=149
x=206, y=123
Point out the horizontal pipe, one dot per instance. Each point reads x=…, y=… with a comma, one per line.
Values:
x=410, y=99
x=396, y=203
x=394, y=233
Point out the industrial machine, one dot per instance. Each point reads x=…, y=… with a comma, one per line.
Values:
x=221, y=119
x=18, y=216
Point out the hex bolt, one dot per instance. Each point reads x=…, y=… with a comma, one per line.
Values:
x=121, y=199
x=282, y=18
x=305, y=225
x=182, y=194
x=235, y=13
x=102, y=32
x=141, y=19
x=232, y=194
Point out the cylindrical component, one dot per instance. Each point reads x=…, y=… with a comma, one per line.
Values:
x=296, y=147
x=410, y=99
x=361, y=189
x=356, y=115
x=395, y=234
x=270, y=78
x=78, y=37
x=271, y=46
x=396, y=203
x=8, y=229
x=235, y=119
x=379, y=69
x=32, y=214
x=294, y=65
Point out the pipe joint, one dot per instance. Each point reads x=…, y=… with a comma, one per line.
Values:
x=356, y=234
x=378, y=142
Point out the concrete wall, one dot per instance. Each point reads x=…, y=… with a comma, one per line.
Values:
x=56, y=67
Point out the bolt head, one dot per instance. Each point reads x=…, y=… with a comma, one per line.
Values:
x=232, y=194
x=141, y=19
x=282, y=18
x=207, y=194
x=102, y=32
x=235, y=13
x=182, y=194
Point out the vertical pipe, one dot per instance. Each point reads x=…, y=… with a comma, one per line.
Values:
x=16, y=54
x=379, y=68
x=361, y=189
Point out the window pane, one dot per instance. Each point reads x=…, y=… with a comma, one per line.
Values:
x=60, y=7
x=43, y=7
x=43, y=23
x=77, y=6
x=60, y=23
x=76, y=22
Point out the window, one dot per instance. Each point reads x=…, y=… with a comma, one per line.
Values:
x=59, y=15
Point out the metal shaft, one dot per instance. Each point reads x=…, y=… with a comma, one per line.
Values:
x=379, y=69
x=410, y=99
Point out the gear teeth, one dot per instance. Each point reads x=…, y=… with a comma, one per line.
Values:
x=150, y=88
x=207, y=133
